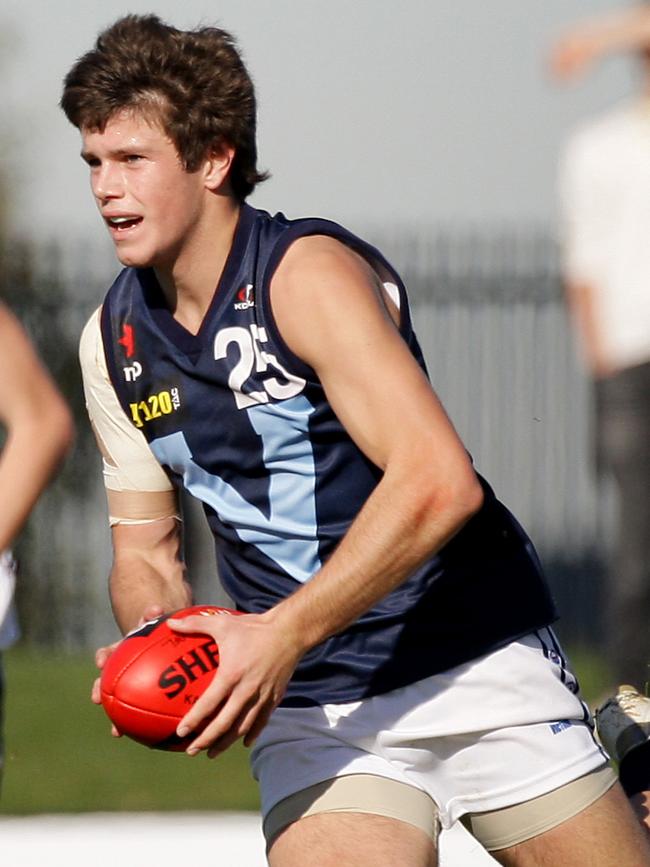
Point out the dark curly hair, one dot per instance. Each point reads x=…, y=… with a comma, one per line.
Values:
x=193, y=82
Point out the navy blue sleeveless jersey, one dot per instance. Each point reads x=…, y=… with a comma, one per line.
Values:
x=244, y=425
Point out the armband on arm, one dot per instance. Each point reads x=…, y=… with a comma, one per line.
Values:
x=141, y=507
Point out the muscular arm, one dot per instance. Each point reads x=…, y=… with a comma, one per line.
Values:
x=38, y=426
x=428, y=489
x=331, y=312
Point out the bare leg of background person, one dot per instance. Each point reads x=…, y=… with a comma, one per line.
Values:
x=623, y=402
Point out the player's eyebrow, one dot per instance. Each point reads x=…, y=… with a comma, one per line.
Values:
x=88, y=155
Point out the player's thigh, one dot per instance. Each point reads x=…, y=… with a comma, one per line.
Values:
x=605, y=834
x=352, y=840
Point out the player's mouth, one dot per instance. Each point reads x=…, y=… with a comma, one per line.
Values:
x=122, y=224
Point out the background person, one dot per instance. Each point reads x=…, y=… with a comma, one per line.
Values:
x=390, y=594
x=605, y=198
x=38, y=431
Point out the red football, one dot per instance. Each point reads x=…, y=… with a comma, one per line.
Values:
x=154, y=676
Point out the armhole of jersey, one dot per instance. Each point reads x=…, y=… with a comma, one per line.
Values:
x=303, y=229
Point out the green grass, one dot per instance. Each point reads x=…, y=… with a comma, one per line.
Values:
x=60, y=756
x=594, y=674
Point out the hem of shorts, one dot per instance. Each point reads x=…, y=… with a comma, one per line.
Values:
x=385, y=813
x=461, y=805
x=331, y=776
x=535, y=830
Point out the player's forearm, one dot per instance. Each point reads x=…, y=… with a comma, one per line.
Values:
x=148, y=571
x=33, y=452
x=136, y=587
x=402, y=524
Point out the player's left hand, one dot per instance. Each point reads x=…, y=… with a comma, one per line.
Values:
x=256, y=661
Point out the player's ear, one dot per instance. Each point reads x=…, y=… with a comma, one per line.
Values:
x=217, y=166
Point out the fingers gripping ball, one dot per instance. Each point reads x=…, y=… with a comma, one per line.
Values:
x=154, y=676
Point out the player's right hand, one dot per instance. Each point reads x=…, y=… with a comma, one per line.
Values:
x=102, y=654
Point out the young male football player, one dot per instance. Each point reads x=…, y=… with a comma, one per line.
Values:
x=395, y=669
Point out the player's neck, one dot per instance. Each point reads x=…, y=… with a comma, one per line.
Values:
x=190, y=281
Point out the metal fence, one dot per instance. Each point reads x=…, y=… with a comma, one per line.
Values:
x=491, y=321
x=493, y=325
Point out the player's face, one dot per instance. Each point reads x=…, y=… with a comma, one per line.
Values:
x=151, y=205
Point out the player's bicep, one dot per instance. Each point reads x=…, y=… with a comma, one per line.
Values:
x=373, y=382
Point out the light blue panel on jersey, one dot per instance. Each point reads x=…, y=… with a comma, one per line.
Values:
x=288, y=535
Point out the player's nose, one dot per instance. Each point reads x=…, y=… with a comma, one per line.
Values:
x=107, y=182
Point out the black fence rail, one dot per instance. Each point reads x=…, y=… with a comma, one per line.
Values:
x=490, y=317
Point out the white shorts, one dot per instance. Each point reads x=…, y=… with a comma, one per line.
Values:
x=9, y=630
x=498, y=731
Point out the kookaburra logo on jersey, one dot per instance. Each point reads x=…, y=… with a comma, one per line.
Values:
x=245, y=297
x=127, y=340
x=253, y=359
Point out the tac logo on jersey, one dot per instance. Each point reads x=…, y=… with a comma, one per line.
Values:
x=245, y=297
x=127, y=340
x=155, y=406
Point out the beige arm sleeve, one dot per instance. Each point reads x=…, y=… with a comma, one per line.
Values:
x=137, y=488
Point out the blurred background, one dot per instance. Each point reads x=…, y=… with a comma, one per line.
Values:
x=433, y=129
